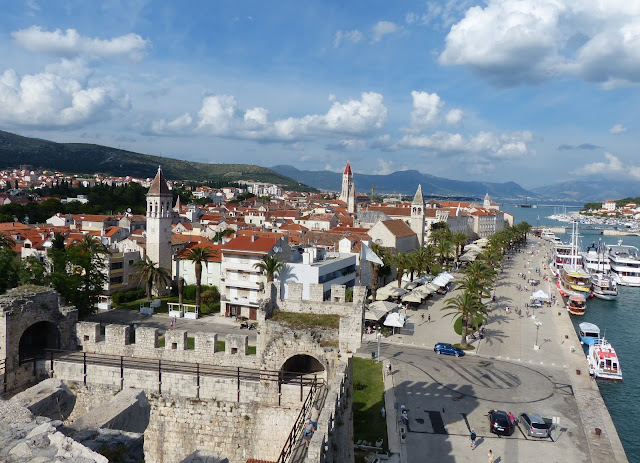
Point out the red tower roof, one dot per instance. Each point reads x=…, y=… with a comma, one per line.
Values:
x=347, y=169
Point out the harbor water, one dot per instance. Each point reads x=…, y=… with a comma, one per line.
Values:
x=619, y=321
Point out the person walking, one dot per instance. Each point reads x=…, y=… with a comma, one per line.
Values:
x=491, y=457
x=422, y=318
x=429, y=318
x=473, y=436
x=389, y=369
x=315, y=414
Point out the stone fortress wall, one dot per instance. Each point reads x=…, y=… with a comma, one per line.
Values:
x=217, y=416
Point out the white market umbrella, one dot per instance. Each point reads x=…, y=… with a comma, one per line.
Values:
x=395, y=320
x=540, y=295
x=413, y=296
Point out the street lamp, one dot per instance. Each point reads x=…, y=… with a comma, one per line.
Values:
x=538, y=325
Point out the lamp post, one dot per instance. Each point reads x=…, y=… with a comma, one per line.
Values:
x=538, y=325
x=379, y=342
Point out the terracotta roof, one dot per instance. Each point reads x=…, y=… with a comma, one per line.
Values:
x=398, y=228
x=251, y=243
x=110, y=231
x=347, y=169
x=391, y=210
x=159, y=185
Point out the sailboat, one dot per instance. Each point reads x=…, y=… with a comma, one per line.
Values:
x=604, y=287
x=526, y=202
x=574, y=281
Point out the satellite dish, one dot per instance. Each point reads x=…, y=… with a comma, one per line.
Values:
x=129, y=209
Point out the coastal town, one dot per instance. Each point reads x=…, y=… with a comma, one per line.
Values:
x=253, y=252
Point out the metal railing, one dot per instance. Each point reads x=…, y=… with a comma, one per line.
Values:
x=198, y=370
x=292, y=438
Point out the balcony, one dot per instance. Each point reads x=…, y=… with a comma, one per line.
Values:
x=246, y=284
x=241, y=266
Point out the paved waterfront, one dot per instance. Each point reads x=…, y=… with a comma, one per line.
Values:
x=447, y=396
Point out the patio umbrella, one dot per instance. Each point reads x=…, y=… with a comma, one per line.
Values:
x=379, y=309
x=413, y=296
x=395, y=320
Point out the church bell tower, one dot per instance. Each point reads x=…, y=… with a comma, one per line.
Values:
x=159, y=214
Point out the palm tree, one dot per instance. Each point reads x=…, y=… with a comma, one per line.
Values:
x=444, y=248
x=414, y=263
x=152, y=275
x=375, y=268
x=271, y=265
x=91, y=244
x=465, y=305
x=459, y=239
x=400, y=261
x=6, y=242
x=198, y=255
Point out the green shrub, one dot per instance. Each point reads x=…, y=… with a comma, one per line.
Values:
x=189, y=291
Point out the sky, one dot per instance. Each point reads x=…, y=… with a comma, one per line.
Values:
x=530, y=91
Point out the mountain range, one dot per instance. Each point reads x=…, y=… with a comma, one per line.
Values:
x=84, y=158
x=406, y=182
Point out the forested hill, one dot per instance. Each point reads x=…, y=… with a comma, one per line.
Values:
x=87, y=158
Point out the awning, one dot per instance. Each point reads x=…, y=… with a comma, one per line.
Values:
x=395, y=320
x=377, y=310
x=540, y=295
x=413, y=296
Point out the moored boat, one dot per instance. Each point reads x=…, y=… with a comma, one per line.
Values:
x=625, y=264
x=577, y=305
x=604, y=287
x=588, y=333
x=603, y=361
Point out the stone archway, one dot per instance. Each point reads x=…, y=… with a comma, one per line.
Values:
x=38, y=337
x=304, y=364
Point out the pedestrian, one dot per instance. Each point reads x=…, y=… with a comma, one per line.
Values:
x=422, y=318
x=315, y=414
x=429, y=318
x=308, y=432
x=473, y=439
x=388, y=368
x=512, y=418
x=171, y=324
x=491, y=458
x=527, y=313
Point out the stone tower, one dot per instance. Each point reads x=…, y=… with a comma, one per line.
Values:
x=487, y=201
x=159, y=213
x=351, y=200
x=347, y=181
x=417, y=215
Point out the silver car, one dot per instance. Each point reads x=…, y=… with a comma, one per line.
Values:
x=536, y=427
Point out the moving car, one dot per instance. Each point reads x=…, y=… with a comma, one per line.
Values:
x=499, y=423
x=446, y=348
x=535, y=425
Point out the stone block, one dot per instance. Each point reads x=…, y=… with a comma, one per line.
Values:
x=175, y=340
x=146, y=337
x=50, y=398
x=338, y=293
x=236, y=344
x=206, y=343
x=294, y=291
x=316, y=292
x=359, y=294
x=87, y=333
x=117, y=335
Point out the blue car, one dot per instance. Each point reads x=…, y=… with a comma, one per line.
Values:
x=446, y=348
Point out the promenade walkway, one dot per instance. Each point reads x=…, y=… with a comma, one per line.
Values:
x=511, y=337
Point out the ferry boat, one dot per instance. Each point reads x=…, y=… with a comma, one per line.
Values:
x=577, y=305
x=625, y=264
x=603, y=361
x=588, y=333
x=604, y=287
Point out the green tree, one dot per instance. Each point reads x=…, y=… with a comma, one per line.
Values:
x=6, y=242
x=210, y=297
x=444, y=248
x=271, y=265
x=152, y=276
x=32, y=272
x=459, y=239
x=8, y=269
x=465, y=305
x=400, y=261
x=199, y=255
x=383, y=254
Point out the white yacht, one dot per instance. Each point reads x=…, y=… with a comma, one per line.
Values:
x=625, y=264
x=595, y=261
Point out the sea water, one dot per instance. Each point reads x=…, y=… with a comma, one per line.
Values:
x=619, y=321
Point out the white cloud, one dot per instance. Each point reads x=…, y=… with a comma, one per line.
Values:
x=612, y=168
x=353, y=36
x=617, y=129
x=426, y=109
x=70, y=43
x=382, y=28
x=385, y=167
x=58, y=97
x=454, y=116
x=442, y=13
x=176, y=126
x=512, y=42
x=220, y=115
x=502, y=146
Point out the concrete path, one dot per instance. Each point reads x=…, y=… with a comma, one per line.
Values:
x=512, y=338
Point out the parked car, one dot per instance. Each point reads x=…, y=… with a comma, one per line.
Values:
x=535, y=425
x=499, y=423
x=446, y=348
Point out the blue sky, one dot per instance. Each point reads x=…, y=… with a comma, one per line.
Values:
x=531, y=91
